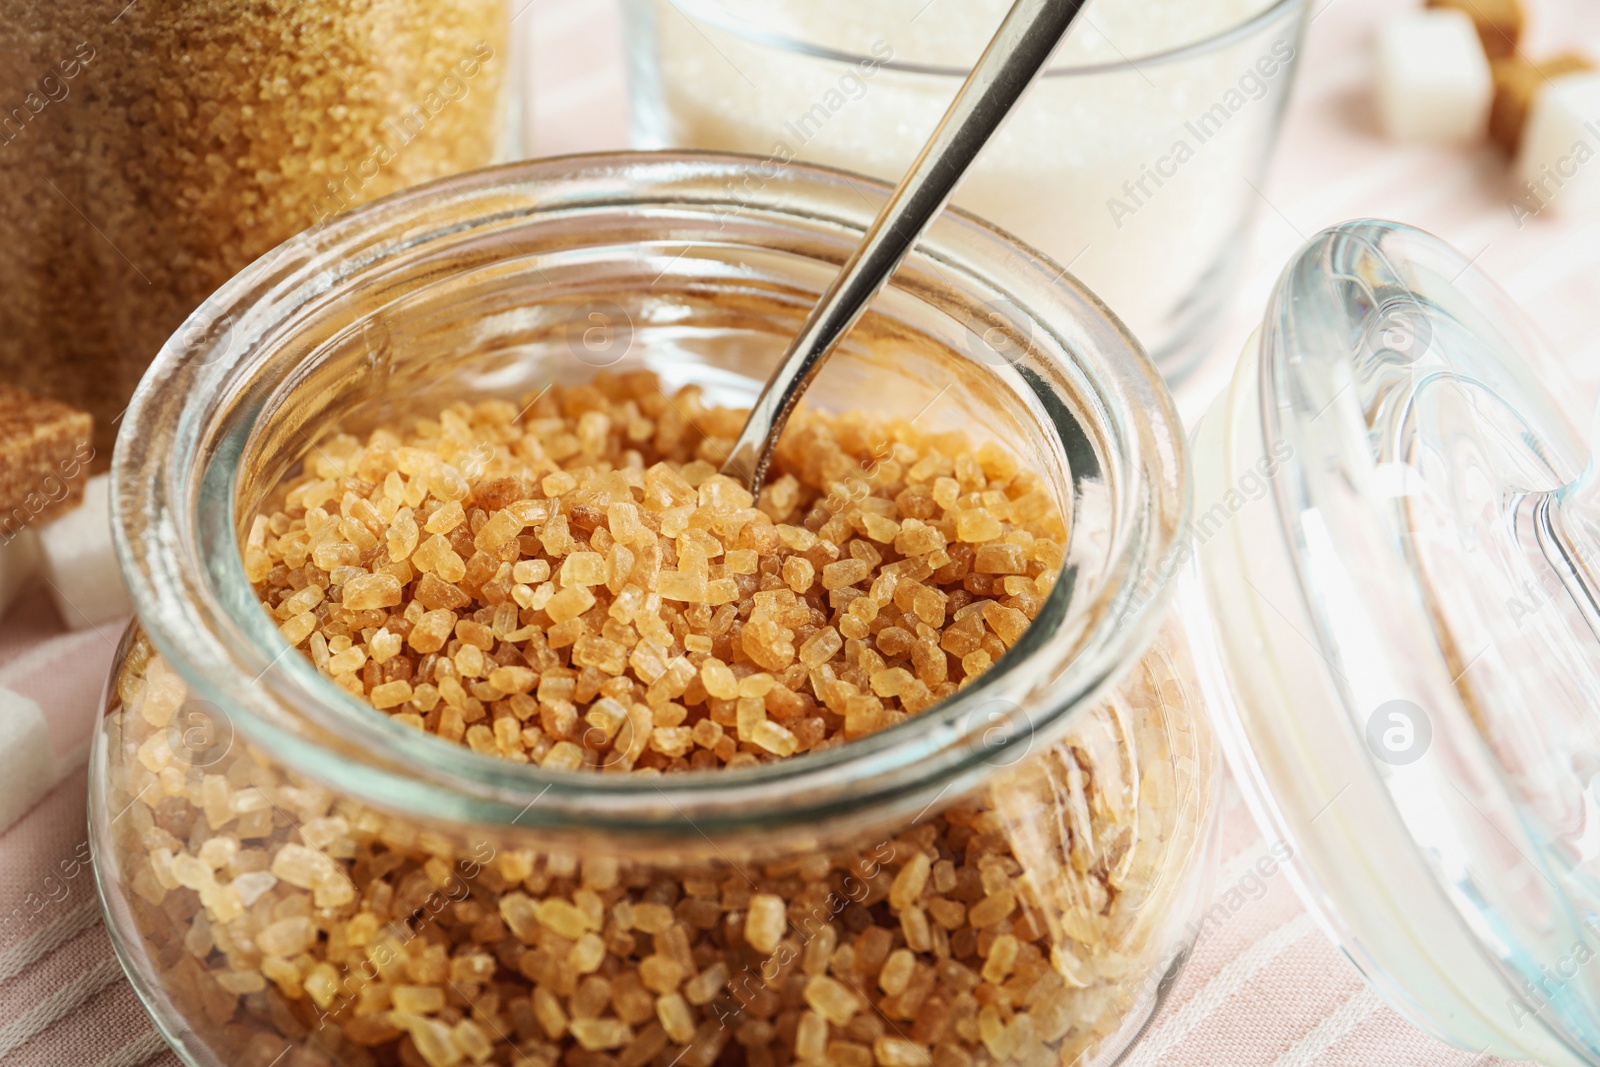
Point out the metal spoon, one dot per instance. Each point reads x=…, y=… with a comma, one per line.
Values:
x=1015, y=56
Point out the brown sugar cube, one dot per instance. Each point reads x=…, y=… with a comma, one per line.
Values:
x=1499, y=22
x=1516, y=83
x=45, y=449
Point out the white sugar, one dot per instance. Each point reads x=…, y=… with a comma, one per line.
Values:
x=1559, y=163
x=954, y=32
x=1432, y=79
x=80, y=563
x=1137, y=179
x=27, y=764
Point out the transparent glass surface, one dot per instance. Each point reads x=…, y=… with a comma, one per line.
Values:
x=1418, y=589
x=1129, y=163
x=149, y=151
x=291, y=874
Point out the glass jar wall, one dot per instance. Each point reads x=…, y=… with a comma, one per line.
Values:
x=150, y=150
x=1009, y=874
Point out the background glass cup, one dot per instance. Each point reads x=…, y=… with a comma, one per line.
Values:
x=1137, y=172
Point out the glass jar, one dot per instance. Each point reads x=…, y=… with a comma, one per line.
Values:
x=1156, y=119
x=151, y=150
x=292, y=878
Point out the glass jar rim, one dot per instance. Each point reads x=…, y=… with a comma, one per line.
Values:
x=708, y=11
x=175, y=485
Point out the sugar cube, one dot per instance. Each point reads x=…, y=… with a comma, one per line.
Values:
x=1498, y=22
x=27, y=764
x=1557, y=168
x=1433, y=82
x=45, y=452
x=80, y=563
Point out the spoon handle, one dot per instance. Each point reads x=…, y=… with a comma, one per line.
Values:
x=1015, y=56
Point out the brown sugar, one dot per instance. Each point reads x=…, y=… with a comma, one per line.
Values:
x=499, y=577
x=1027, y=924
x=594, y=594
x=149, y=151
x=1499, y=23
x=45, y=452
x=1516, y=83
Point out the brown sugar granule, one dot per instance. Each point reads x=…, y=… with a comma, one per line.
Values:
x=1025, y=924
x=1516, y=83
x=45, y=452
x=1499, y=22
x=575, y=585
x=150, y=151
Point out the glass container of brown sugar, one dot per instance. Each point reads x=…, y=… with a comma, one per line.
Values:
x=150, y=150
x=551, y=745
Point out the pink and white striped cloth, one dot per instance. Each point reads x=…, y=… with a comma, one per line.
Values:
x=1264, y=987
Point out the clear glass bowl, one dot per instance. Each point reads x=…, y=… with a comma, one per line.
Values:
x=291, y=877
x=1137, y=171
x=149, y=152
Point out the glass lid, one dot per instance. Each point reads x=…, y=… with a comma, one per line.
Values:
x=1397, y=520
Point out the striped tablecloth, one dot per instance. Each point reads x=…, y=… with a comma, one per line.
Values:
x=1263, y=987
